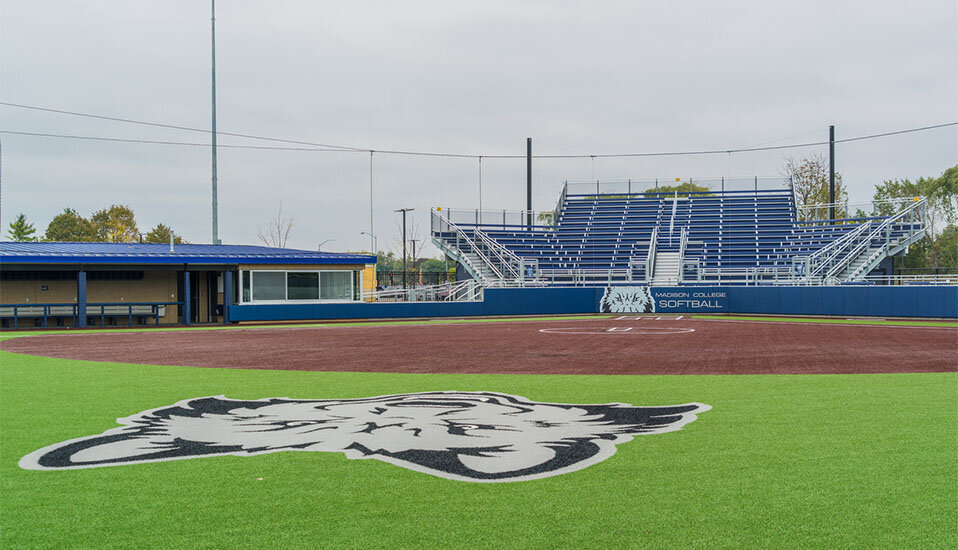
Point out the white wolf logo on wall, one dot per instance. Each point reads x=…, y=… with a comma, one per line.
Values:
x=627, y=299
x=467, y=436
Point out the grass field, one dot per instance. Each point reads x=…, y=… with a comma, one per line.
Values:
x=784, y=461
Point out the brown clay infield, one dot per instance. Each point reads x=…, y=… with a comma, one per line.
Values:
x=645, y=346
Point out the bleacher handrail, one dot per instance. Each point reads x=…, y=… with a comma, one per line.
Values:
x=639, y=187
x=442, y=225
x=505, y=219
x=825, y=256
x=683, y=240
x=650, y=257
x=506, y=257
x=882, y=232
x=818, y=213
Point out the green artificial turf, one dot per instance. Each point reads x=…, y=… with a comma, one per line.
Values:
x=829, y=461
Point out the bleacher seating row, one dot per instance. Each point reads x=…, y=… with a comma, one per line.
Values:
x=726, y=230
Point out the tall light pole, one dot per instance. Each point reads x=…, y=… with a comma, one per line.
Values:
x=529, y=182
x=216, y=232
x=373, y=240
x=370, y=233
x=404, y=210
x=831, y=174
x=320, y=247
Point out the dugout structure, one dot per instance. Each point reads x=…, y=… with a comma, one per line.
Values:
x=45, y=284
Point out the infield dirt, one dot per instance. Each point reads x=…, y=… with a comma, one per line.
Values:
x=642, y=346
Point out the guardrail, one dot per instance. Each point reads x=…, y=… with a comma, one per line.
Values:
x=940, y=279
x=698, y=185
x=517, y=220
x=843, y=210
x=462, y=291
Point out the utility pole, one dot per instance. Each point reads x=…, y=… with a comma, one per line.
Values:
x=404, y=210
x=831, y=173
x=529, y=182
x=216, y=232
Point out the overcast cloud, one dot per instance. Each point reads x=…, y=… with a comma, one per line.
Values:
x=459, y=77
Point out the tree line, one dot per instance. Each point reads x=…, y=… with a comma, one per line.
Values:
x=115, y=224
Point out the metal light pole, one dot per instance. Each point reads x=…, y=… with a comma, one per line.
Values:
x=370, y=233
x=404, y=210
x=320, y=247
x=529, y=181
x=216, y=232
x=373, y=240
x=831, y=173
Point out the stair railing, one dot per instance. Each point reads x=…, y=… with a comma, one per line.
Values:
x=442, y=225
x=825, y=257
x=913, y=212
x=505, y=258
x=683, y=240
x=675, y=205
x=650, y=258
x=558, y=208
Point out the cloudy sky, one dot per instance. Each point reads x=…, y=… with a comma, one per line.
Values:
x=460, y=77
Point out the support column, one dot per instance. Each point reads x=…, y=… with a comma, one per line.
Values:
x=81, y=299
x=185, y=298
x=227, y=295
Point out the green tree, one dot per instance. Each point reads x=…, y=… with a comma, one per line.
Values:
x=546, y=218
x=809, y=178
x=70, y=226
x=161, y=234
x=432, y=265
x=686, y=187
x=941, y=196
x=387, y=261
x=21, y=230
x=945, y=248
x=116, y=224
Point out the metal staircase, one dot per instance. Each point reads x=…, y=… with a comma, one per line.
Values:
x=666, y=268
x=486, y=260
x=852, y=257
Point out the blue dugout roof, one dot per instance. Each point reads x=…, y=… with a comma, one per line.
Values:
x=159, y=254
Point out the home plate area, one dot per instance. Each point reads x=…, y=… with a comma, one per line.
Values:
x=625, y=327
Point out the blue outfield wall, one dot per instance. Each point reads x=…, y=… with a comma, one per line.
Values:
x=500, y=301
x=880, y=301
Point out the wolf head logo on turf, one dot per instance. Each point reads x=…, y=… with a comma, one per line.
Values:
x=627, y=299
x=468, y=436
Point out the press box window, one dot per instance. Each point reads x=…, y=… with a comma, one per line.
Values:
x=302, y=286
x=269, y=285
x=292, y=286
